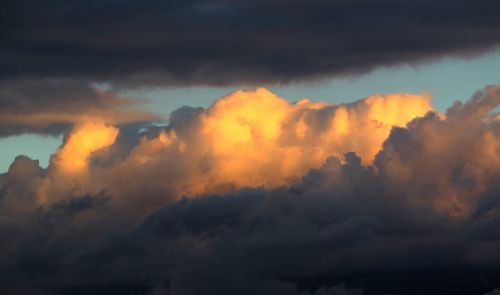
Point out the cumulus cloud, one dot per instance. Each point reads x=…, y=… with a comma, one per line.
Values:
x=246, y=139
x=235, y=42
x=50, y=106
x=415, y=212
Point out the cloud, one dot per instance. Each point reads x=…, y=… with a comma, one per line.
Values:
x=228, y=42
x=50, y=106
x=246, y=139
x=464, y=149
x=69, y=166
x=83, y=140
x=420, y=216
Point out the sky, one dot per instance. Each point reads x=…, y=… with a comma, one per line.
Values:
x=249, y=147
x=448, y=80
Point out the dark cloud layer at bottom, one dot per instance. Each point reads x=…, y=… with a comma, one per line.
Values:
x=423, y=219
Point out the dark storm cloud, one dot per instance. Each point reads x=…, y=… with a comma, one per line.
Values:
x=228, y=42
x=423, y=219
x=341, y=237
x=49, y=106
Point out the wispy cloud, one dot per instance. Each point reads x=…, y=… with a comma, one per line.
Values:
x=51, y=106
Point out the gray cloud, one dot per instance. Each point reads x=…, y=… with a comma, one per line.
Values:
x=51, y=106
x=227, y=42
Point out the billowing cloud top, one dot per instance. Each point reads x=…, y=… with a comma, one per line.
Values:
x=256, y=195
x=234, y=42
x=248, y=138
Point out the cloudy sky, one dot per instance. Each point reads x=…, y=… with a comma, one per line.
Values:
x=250, y=147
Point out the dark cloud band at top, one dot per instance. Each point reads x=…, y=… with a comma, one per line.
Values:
x=235, y=42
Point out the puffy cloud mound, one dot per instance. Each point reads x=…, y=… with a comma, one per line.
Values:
x=246, y=139
x=371, y=208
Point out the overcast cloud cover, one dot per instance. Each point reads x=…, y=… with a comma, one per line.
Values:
x=223, y=42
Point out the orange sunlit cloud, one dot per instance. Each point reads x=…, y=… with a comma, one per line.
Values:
x=257, y=139
x=83, y=140
x=245, y=139
x=69, y=166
